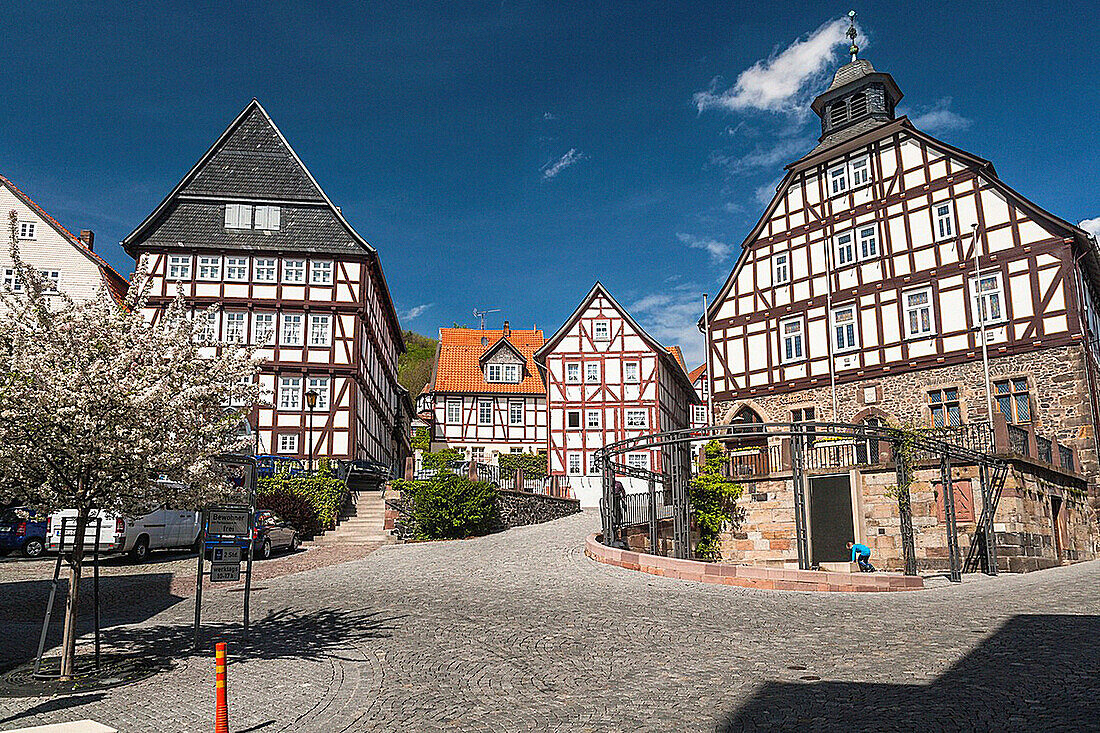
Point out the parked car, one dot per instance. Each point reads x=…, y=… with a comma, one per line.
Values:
x=269, y=465
x=162, y=529
x=270, y=532
x=23, y=530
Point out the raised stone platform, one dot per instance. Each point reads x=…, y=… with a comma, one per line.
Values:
x=749, y=576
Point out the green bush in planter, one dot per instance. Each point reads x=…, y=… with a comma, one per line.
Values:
x=447, y=506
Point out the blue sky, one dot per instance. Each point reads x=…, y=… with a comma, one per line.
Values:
x=508, y=154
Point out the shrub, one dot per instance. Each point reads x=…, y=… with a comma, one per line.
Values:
x=713, y=502
x=323, y=493
x=447, y=506
x=293, y=508
x=440, y=458
x=533, y=464
x=422, y=439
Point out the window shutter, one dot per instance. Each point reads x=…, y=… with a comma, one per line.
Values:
x=232, y=214
x=272, y=217
x=246, y=217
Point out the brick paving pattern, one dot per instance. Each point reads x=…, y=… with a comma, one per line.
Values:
x=520, y=631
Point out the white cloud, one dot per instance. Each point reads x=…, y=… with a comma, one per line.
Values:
x=718, y=250
x=416, y=310
x=548, y=116
x=762, y=158
x=1092, y=226
x=784, y=82
x=939, y=118
x=552, y=169
x=671, y=317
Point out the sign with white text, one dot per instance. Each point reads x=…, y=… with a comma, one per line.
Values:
x=225, y=572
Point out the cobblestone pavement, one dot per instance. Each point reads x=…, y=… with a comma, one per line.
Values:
x=520, y=631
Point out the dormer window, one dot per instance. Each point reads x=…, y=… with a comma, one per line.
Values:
x=238, y=216
x=502, y=373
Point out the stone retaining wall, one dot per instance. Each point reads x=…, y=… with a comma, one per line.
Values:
x=517, y=509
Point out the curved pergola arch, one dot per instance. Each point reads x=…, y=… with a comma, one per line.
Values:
x=908, y=446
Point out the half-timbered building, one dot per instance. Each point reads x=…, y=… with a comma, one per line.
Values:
x=69, y=263
x=698, y=377
x=486, y=395
x=608, y=380
x=885, y=262
x=249, y=229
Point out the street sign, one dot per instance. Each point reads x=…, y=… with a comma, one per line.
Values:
x=227, y=522
x=226, y=554
x=225, y=572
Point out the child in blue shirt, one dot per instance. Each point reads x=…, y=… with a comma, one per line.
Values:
x=862, y=554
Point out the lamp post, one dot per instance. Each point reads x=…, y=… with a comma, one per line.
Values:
x=311, y=402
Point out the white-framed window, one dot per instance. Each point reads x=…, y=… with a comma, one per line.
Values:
x=294, y=271
x=265, y=269
x=515, y=449
x=292, y=329
x=267, y=218
x=495, y=373
x=238, y=216
x=288, y=442
x=630, y=372
x=511, y=373
x=700, y=413
x=592, y=372
x=637, y=460
x=320, y=272
x=52, y=278
x=943, y=220
x=240, y=401
x=263, y=328
x=573, y=419
x=859, y=171
x=477, y=454
x=781, y=268
x=636, y=418
x=844, y=328
x=845, y=249
x=868, y=241
x=573, y=464
x=290, y=393
x=210, y=267
x=207, y=329
x=572, y=372
x=236, y=268
x=454, y=411
x=484, y=412
x=592, y=420
x=28, y=229
x=320, y=385
x=601, y=331
x=320, y=330
x=507, y=373
x=235, y=327
x=988, y=298
x=179, y=267
x=918, y=312
x=12, y=281
x=515, y=413
x=593, y=464
x=792, y=343
x=838, y=180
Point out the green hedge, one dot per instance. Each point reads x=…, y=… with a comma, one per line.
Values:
x=447, y=506
x=323, y=493
x=533, y=464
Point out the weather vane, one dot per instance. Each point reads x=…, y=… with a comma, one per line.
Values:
x=854, y=49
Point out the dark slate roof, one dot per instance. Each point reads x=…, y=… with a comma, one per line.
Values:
x=845, y=133
x=850, y=72
x=201, y=225
x=253, y=161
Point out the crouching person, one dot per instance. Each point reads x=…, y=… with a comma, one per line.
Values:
x=861, y=554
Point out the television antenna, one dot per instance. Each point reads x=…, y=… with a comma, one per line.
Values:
x=481, y=315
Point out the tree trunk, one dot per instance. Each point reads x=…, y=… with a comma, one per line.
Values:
x=68, y=638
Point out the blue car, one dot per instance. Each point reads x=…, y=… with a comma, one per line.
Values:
x=269, y=465
x=21, y=529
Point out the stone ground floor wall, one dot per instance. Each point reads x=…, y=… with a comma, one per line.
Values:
x=1024, y=523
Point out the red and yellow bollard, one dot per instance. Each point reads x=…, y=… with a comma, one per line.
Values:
x=221, y=707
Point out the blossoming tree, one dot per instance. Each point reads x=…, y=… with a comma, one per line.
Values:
x=96, y=403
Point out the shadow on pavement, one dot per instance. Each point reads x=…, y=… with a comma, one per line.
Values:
x=1037, y=672
x=53, y=705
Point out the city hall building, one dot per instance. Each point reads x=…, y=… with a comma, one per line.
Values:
x=883, y=265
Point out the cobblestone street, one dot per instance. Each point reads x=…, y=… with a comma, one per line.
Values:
x=520, y=631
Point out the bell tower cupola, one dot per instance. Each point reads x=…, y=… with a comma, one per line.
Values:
x=858, y=97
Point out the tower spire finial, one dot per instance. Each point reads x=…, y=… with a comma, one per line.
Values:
x=853, y=49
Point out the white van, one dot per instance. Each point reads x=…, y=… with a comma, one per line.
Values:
x=162, y=529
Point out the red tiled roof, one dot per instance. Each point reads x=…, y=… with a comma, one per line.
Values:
x=460, y=349
x=116, y=284
x=694, y=373
x=675, y=351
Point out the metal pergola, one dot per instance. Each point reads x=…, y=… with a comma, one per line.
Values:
x=909, y=448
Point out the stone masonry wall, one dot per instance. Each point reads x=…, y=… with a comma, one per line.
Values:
x=1057, y=384
x=516, y=508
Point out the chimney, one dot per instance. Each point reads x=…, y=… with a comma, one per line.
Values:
x=87, y=236
x=507, y=330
